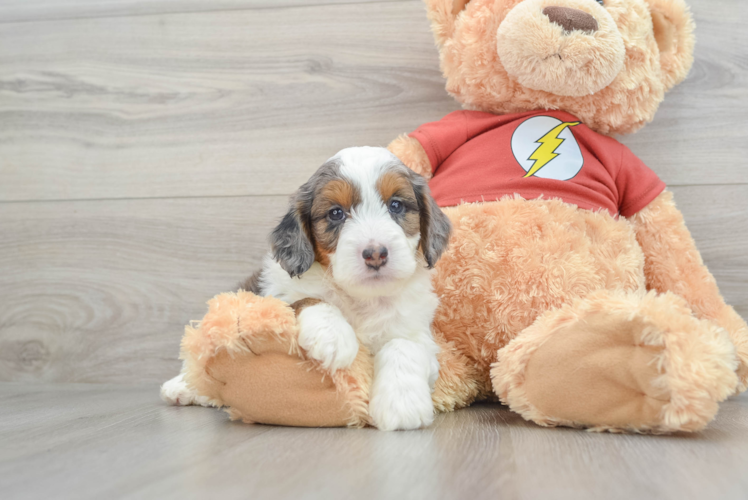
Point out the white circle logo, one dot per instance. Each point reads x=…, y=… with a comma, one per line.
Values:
x=545, y=147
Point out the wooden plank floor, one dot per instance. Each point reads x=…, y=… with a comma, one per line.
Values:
x=115, y=441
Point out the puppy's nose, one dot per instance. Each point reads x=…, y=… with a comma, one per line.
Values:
x=571, y=19
x=375, y=257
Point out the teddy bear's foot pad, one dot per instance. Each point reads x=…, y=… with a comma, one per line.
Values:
x=244, y=356
x=597, y=372
x=618, y=362
x=277, y=388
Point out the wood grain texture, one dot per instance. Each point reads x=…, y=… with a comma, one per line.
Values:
x=247, y=102
x=147, y=149
x=44, y=10
x=210, y=103
x=99, y=441
x=698, y=134
x=100, y=291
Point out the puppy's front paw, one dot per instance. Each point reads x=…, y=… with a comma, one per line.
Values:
x=327, y=337
x=401, y=408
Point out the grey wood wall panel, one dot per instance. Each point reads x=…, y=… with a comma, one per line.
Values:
x=99, y=441
x=240, y=102
x=216, y=103
x=699, y=133
x=100, y=291
x=45, y=10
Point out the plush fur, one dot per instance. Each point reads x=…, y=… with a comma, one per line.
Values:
x=674, y=263
x=477, y=77
x=690, y=365
x=569, y=316
x=247, y=326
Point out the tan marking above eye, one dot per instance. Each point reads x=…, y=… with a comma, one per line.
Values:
x=340, y=192
x=396, y=184
x=336, y=193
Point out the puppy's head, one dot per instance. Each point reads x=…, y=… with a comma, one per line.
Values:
x=366, y=217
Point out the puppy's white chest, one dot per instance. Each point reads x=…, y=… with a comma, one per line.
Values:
x=375, y=323
x=379, y=320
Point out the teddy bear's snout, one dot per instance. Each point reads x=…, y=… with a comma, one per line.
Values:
x=563, y=47
x=571, y=19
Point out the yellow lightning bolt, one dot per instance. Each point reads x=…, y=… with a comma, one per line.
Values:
x=549, y=143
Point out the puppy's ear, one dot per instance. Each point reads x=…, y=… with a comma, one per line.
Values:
x=435, y=226
x=291, y=240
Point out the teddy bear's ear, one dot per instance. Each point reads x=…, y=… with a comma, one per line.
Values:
x=442, y=14
x=673, y=30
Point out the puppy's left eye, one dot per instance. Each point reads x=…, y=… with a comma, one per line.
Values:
x=601, y=2
x=336, y=214
x=396, y=207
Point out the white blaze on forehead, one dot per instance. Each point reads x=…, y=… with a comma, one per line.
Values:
x=363, y=166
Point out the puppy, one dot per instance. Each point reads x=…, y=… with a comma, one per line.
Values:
x=352, y=256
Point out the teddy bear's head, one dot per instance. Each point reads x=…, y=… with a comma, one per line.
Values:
x=608, y=62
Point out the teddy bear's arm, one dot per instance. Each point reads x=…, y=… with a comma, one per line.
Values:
x=673, y=263
x=412, y=154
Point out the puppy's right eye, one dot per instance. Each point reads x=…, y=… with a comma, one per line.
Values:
x=336, y=214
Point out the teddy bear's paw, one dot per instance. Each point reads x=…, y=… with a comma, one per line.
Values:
x=401, y=408
x=327, y=337
x=614, y=362
x=176, y=392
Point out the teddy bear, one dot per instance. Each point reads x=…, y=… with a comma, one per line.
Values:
x=571, y=289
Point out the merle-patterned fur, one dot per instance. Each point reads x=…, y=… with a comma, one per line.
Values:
x=292, y=241
x=435, y=226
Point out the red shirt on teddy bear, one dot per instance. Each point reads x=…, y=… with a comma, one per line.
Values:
x=479, y=156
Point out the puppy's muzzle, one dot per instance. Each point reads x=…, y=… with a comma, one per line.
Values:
x=375, y=256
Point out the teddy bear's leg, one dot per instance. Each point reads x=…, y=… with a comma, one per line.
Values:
x=461, y=381
x=244, y=356
x=614, y=361
x=673, y=262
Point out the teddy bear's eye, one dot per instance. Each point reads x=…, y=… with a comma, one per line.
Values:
x=601, y=2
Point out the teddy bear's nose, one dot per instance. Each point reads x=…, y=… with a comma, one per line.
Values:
x=571, y=19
